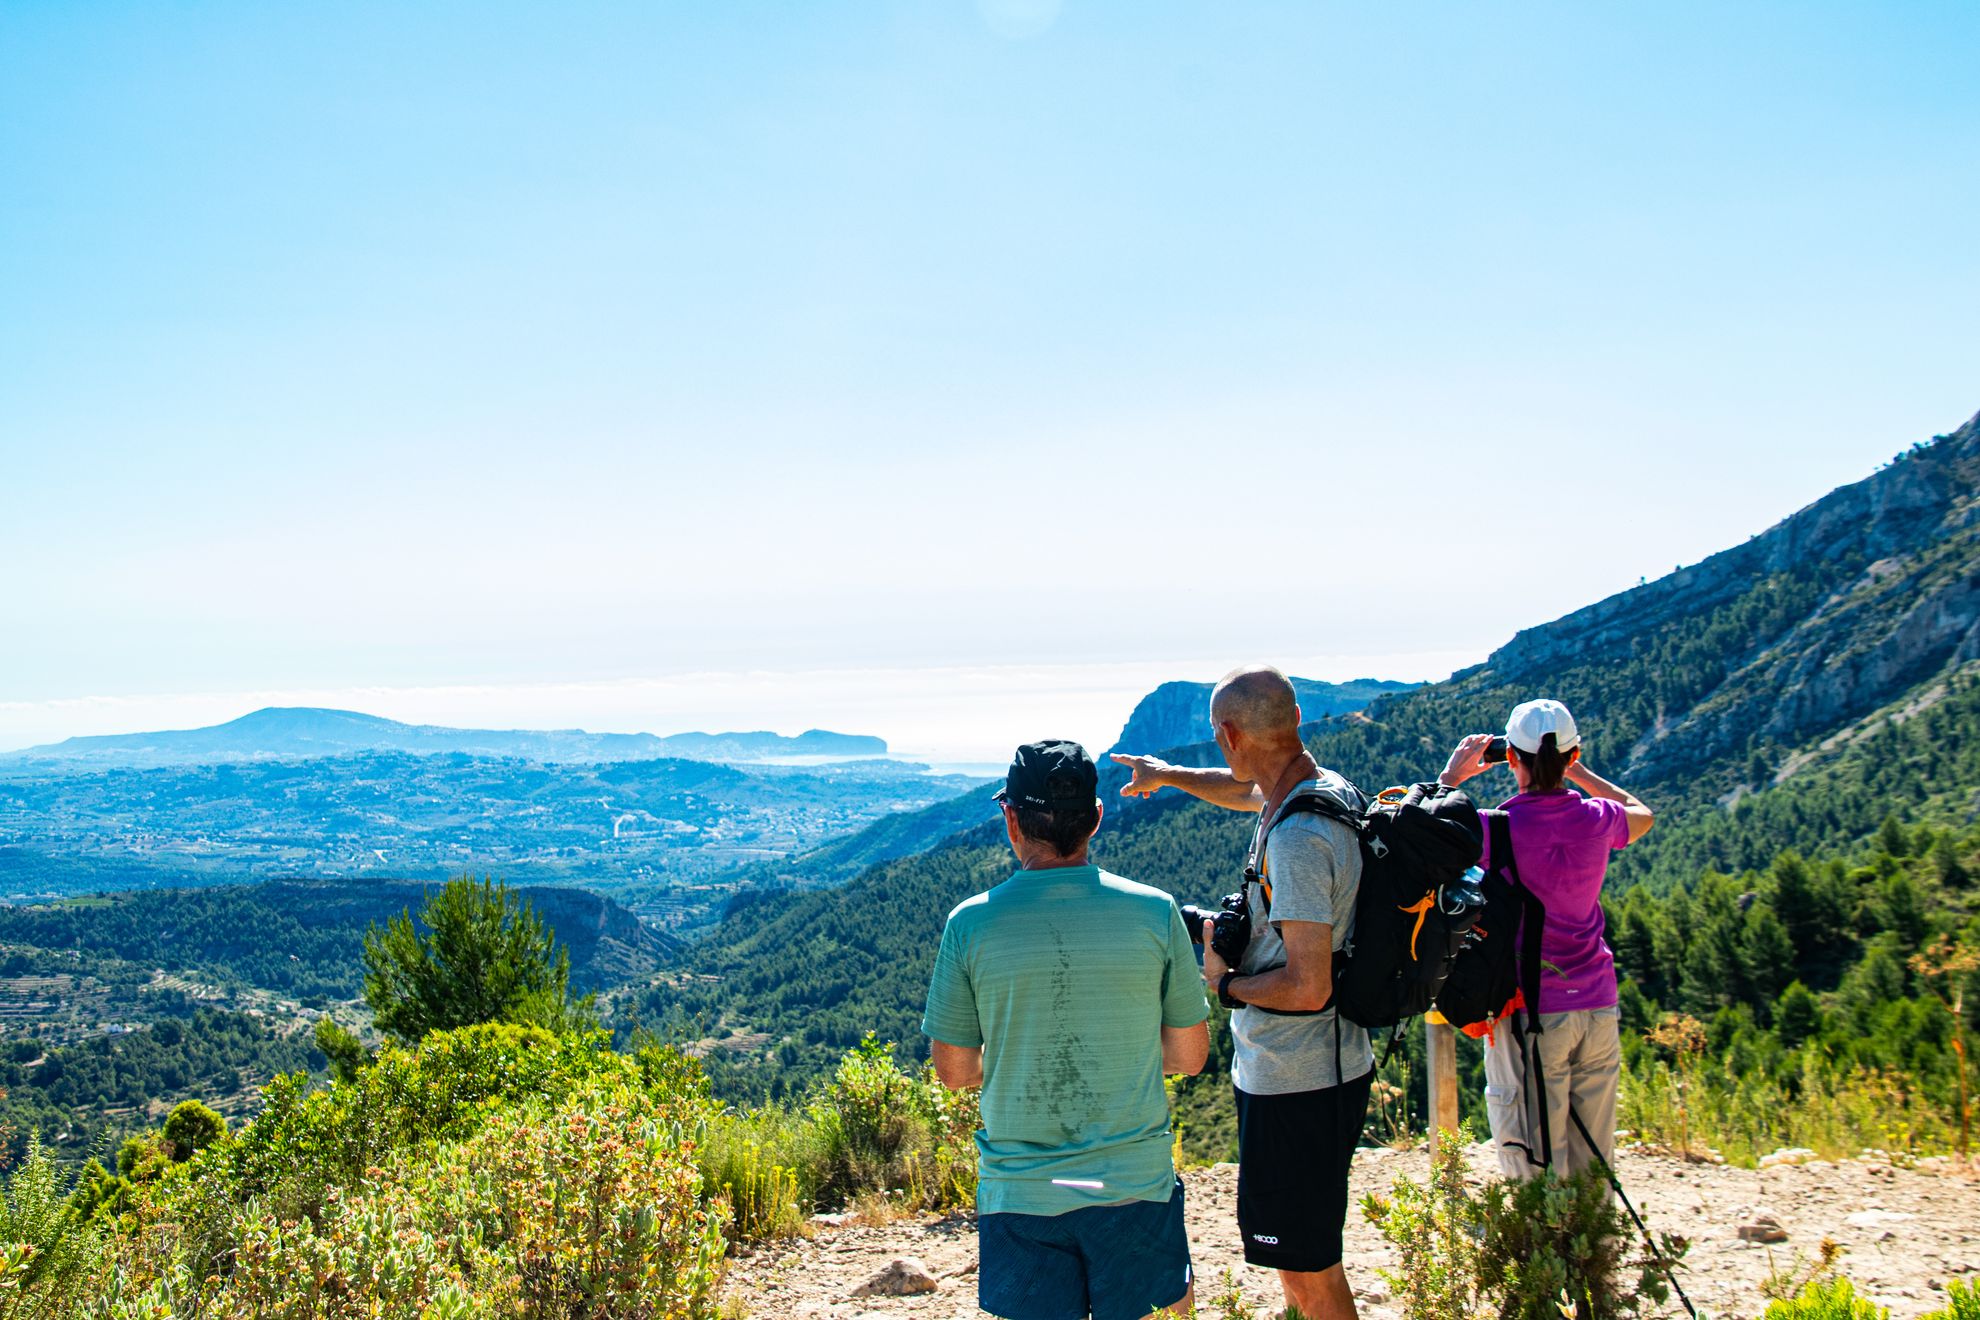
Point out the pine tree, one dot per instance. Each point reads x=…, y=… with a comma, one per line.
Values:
x=485, y=956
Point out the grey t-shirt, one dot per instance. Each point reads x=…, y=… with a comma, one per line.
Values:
x=1313, y=865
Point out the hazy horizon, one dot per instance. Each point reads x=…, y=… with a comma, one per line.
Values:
x=950, y=714
x=999, y=355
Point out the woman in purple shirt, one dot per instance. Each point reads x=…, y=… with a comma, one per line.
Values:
x=1561, y=841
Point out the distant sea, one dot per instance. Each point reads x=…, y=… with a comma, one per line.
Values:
x=973, y=769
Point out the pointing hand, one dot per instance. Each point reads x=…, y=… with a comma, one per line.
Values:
x=1147, y=776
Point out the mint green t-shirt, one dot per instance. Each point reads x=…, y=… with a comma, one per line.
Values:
x=1066, y=977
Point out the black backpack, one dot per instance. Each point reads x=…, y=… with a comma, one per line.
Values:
x=1499, y=965
x=1415, y=905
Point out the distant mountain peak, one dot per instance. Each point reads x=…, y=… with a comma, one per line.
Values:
x=302, y=732
x=1177, y=714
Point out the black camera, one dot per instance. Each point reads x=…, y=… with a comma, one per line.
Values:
x=1231, y=930
x=1495, y=752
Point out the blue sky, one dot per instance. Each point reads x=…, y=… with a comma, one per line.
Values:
x=400, y=351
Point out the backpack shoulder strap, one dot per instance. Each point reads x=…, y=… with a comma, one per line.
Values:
x=1333, y=798
x=1527, y=961
x=1533, y=913
x=1499, y=826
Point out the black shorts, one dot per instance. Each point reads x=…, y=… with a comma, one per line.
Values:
x=1293, y=1156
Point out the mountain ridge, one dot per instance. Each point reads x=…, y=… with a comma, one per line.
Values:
x=1678, y=687
x=304, y=732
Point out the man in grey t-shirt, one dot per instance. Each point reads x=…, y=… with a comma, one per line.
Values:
x=1301, y=1074
x=1312, y=873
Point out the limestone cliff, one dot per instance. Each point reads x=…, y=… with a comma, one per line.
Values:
x=1177, y=714
x=1849, y=602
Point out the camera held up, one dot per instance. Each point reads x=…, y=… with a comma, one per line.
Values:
x=1231, y=931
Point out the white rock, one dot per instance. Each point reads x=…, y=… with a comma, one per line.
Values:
x=1877, y=1218
x=1787, y=1155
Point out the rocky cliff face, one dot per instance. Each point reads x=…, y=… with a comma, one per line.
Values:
x=1178, y=714
x=1853, y=600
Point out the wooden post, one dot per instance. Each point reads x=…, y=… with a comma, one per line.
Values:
x=1442, y=1058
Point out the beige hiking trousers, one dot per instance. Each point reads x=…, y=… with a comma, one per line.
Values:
x=1579, y=1055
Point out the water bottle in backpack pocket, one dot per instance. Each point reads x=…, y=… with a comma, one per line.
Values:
x=1497, y=968
x=1418, y=900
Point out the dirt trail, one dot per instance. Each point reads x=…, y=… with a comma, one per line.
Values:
x=1906, y=1231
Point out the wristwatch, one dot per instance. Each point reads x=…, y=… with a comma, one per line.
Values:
x=1224, y=989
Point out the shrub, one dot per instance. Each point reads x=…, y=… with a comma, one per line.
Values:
x=305, y=1142
x=46, y=1249
x=498, y=1170
x=953, y=1118
x=1963, y=1303
x=884, y=1131
x=1550, y=1242
x=1534, y=1249
x=597, y=1203
x=1435, y=1229
x=870, y=1123
x=370, y=1255
x=1832, y=1299
x=191, y=1127
x=765, y=1165
x=586, y=1206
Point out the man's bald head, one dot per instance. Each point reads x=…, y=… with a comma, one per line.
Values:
x=1260, y=701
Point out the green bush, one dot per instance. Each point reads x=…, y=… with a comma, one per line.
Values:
x=1534, y=1249
x=757, y=1164
x=1832, y=1299
x=192, y=1127
x=869, y=1122
x=47, y=1250
x=953, y=1118
x=1962, y=1302
x=1550, y=1242
x=884, y=1131
x=1435, y=1228
x=490, y=1170
x=305, y=1142
x=586, y=1206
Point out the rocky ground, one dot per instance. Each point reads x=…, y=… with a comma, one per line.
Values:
x=1905, y=1231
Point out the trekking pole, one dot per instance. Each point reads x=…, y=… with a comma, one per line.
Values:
x=1648, y=1241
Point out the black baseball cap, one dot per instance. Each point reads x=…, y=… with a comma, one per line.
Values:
x=1055, y=775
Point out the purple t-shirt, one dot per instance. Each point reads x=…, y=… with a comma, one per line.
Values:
x=1561, y=843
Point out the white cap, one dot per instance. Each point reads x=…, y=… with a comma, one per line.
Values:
x=1533, y=720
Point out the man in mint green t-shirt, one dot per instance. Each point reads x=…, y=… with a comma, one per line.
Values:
x=1066, y=993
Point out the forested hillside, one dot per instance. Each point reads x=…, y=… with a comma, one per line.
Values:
x=303, y=938
x=1781, y=697
x=82, y=1097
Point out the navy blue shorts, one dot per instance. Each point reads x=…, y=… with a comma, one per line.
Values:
x=1115, y=1262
